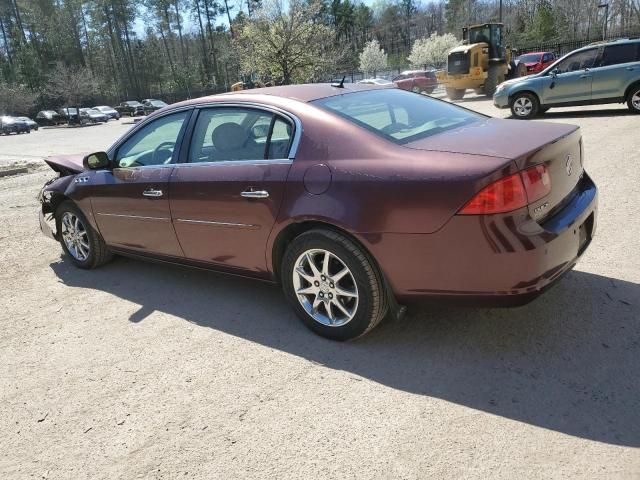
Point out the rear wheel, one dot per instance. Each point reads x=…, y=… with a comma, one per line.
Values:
x=455, y=93
x=633, y=99
x=429, y=90
x=333, y=286
x=80, y=241
x=416, y=89
x=524, y=105
x=479, y=91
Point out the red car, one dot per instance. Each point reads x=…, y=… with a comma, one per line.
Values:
x=418, y=81
x=355, y=199
x=536, y=62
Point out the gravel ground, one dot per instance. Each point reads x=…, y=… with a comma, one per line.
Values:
x=139, y=370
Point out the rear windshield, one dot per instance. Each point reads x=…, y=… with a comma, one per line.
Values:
x=396, y=115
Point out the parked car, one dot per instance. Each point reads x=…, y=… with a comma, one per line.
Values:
x=419, y=81
x=72, y=116
x=108, y=111
x=355, y=199
x=49, y=118
x=32, y=125
x=593, y=75
x=375, y=81
x=151, y=105
x=535, y=62
x=9, y=125
x=131, y=108
x=95, y=116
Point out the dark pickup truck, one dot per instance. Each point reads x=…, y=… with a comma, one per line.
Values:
x=131, y=108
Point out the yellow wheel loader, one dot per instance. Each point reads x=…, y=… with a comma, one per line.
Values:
x=481, y=63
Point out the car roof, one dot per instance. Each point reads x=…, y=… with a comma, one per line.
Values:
x=534, y=53
x=302, y=93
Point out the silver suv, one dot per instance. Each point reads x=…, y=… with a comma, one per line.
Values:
x=597, y=74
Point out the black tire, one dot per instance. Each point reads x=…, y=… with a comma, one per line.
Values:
x=99, y=253
x=416, y=89
x=479, y=91
x=132, y=114
x=455, y=93
x=372, y=300
x=530, y=108
x=634, y=97
x=493, y=80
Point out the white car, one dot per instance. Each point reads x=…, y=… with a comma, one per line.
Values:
x=375, y=81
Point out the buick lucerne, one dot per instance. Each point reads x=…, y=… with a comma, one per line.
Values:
x=357, y=200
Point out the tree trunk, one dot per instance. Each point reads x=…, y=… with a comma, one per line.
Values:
x=226, y=6
x=203, y=41
x=6, y=43
x=182, y=46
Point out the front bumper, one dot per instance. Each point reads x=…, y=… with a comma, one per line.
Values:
x=497, y=260
x=501, y=98
x=48, y=225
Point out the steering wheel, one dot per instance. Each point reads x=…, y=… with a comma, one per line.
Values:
x=155, y=160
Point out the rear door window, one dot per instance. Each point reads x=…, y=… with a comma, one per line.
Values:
x=617, y=54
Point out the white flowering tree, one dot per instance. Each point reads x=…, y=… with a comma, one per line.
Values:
x=432, y=51
x=372, y=58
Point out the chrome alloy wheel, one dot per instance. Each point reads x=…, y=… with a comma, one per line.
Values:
x=523, y=106
x=635, y=100
x=325, y=287
x=75, y=236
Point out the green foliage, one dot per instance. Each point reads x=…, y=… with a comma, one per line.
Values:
x=283, y=45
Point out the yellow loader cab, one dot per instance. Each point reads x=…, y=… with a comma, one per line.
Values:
x=481, y=63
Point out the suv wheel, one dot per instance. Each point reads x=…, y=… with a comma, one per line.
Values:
x=455, y=93
x=633, y=100
x=524, y=106
x=333, y=286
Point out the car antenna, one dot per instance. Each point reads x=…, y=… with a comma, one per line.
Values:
x=341, y=84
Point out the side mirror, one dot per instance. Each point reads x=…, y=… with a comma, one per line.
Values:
x=95, y=161
x=554, y=72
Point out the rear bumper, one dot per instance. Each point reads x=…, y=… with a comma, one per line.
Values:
x=497, y=260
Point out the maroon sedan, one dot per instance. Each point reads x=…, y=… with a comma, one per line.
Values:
x=355, y=199
x=418, y=81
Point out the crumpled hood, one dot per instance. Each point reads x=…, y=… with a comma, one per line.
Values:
x=66, y=164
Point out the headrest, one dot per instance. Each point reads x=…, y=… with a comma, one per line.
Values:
x=228, y=136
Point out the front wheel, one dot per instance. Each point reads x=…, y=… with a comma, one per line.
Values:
x=80, y=241
x=333, y=285
x=524, y=106
x=633, y=99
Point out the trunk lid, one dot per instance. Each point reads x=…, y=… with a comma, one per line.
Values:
x=557, y=146
x=66, y=164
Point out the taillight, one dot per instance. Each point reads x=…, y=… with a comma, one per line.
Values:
x=510, y=193
x=537, y=182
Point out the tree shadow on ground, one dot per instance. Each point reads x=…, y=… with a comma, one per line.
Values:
x=568, y=362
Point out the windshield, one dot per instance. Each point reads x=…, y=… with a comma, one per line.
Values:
x=133, y=104
x=396, y=115
x=104, y=108
x=530, y=58
x=157, y=103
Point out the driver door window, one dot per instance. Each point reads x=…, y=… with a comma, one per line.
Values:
x=578, y=61
x=153, y=144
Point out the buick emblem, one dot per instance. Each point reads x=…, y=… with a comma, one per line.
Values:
x=569, y=164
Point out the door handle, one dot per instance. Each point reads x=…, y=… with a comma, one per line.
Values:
x=150, y=192
x=255, y=194
x=630, y=68
x=585, y=76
